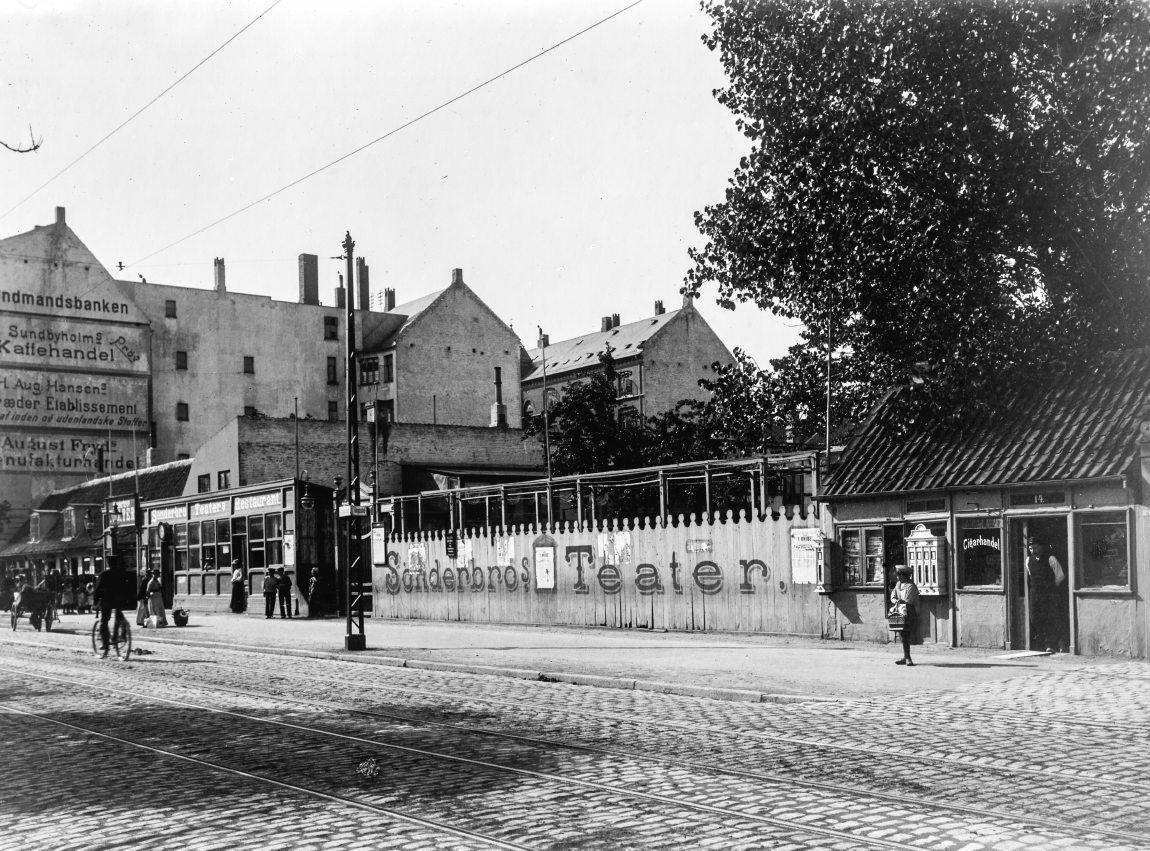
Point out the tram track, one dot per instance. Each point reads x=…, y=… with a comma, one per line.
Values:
x=600, y=794
x=695, y=765
x=772, y=737
x=1013, y=820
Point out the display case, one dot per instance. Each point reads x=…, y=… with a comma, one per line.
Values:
x=926, y=557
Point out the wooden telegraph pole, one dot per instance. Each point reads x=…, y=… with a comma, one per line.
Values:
x=355, y=639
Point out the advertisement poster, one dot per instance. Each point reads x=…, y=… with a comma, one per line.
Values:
x=545, y=568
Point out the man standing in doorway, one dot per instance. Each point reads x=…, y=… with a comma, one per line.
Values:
x=1049, y=607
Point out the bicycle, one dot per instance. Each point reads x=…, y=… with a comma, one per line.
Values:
x=120, y=634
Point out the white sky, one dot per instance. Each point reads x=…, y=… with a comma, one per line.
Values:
x=565, y=191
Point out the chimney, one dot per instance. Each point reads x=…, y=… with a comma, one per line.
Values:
x=614, y=320
x=364, y=291
x=456, y=276
x=340, y=294
x=605, y=324
x=659, y=309
x=544, y=340
x=219, y=264
x=388, y=298
x=59, y=215
x=308, y=279
x=498, y=410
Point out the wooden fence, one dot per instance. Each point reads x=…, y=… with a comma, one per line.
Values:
x=727, y=572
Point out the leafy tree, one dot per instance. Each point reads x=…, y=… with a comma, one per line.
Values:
x=586, y=434
x=960, y=184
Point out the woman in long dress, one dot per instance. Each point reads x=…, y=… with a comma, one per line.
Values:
x=142, y=599
x=156, y=600
x=239, y=598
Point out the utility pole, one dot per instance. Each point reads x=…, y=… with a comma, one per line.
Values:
x=354, y=639
x=546, y=423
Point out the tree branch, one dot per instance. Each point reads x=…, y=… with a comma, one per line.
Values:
x=35, y=143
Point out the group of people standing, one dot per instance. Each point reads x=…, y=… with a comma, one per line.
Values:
x=277, y=585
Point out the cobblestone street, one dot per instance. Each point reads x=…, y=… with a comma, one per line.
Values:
x=210, y=747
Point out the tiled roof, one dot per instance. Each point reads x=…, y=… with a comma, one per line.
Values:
x=583, y=351
x=381, y=328
x=159, y=482
x=1080, y=424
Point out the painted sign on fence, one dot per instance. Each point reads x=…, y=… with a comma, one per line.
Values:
x=657, y=577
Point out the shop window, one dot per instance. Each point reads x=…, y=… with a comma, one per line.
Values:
x=249, y=365
x=208, y=544
x=332, y=371
x=369, y=371
x=181, y=360
x=273, y=539
x=256, y=552
x=979, y=552
x=224, y=544
x=1103, y=550
x=388, y=369
x=193, y=546
x=223, y=480
x=170, y=308
x=863, y=554
x=180, y=545
x=331, y=327
x=182, y=411
x=333, y=411
x=204, y=483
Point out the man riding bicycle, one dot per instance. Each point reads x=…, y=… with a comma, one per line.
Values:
x=116, y=591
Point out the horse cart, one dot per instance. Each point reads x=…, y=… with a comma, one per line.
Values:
x=39, y=604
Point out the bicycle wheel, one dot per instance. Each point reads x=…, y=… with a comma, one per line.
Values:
x=122, y=639
x=96, y=640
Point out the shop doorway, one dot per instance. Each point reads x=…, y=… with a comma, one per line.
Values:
x=1040, y=598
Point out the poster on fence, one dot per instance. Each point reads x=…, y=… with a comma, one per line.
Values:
x=806, y=553
x=545, y=565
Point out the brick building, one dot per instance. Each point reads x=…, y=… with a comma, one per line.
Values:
x=91, y=363
x=659, y=360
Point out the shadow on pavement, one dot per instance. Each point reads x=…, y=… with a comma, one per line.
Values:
x=969, y=665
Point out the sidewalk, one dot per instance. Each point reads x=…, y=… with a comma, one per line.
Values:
x=726, y=666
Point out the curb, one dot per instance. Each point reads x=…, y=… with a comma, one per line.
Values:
x=589, y=680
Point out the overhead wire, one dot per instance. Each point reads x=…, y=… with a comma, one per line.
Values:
x=139, y=111
x=389, y=133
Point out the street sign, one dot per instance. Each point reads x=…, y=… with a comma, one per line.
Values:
x=346, y=510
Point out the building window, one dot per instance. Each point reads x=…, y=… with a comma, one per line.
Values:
x=170, y=308
x=249, y=365
x=979, y=552
x=387, y=411
x=332, y=371
x=624, y=385
x=369, y=371
x=34, y=528
x=204, y=483
x=388, y=369
x=1104, y=550
x=181, y=360
x=333, y=411
x=273, y=539
x=863, y=554
x=552, y=398
x=256, y=541
x=628, y=415
x=331, y=327
x=223, y=480
x=208, y=536
x=182, y=411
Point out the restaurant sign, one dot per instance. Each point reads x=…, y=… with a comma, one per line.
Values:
x=258, y=501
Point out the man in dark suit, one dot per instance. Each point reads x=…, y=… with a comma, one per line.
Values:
x=283, y=589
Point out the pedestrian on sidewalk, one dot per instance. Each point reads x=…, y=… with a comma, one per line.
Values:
x=269, y=593
x=283, y=591
x=313, y=594
x=239, y=602
x=142, y=598
x=156, y=600
x=904, y=601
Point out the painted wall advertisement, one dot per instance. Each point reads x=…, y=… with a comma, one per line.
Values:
x=37, y=341
x=41, y=399
x=47, y=452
